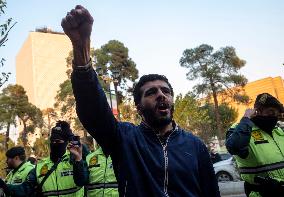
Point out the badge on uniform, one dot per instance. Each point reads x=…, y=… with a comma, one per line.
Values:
x=43, y=170
x=263, y=98
x=94, y=162
x=258, y=137
x=67, y=173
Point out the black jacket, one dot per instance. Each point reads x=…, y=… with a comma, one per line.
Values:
x=143, y=165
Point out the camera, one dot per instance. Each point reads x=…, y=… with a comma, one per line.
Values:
x=75, y=140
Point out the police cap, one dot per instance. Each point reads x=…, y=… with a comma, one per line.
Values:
x=267, y=100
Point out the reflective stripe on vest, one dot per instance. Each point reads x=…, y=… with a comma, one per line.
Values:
x=102, y=185
x=261, y=169
x=61, y=192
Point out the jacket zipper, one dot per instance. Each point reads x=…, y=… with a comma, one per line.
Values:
x=166, y=160
x=125, y=188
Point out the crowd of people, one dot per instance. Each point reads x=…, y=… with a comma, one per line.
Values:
x=154, y=158
x=70, y=169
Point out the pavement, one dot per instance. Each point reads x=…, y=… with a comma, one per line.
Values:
x=232, y=189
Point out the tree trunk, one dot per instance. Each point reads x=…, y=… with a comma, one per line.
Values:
x=24, y=135
x=85, y=133
x=48, y=122
x=7, y=137
x=217, y=116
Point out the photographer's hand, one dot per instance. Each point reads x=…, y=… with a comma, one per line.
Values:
x=249, y=113
x=76, y=151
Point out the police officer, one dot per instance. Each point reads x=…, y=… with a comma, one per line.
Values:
x=16, y=161
x=61, y=176
x=102, y=181
x=258, y=146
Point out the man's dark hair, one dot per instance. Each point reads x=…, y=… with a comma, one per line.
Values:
x=137, y=94
x=22, y=157
x=16, y=151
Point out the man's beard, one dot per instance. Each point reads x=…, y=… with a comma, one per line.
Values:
x=155, y=121
x=10, y=166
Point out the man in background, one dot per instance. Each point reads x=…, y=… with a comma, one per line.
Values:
x=20, y=168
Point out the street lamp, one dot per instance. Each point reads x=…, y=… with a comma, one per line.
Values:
x=115, y=75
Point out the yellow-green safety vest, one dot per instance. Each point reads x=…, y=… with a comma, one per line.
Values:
x=265, y=158
x=102, y=181
x=60, y=182
x=19, y=175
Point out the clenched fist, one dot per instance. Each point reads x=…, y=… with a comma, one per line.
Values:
x=77, y=25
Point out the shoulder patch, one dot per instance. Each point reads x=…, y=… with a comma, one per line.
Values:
x=93, y=161
x=43, y=170
x=257, y=136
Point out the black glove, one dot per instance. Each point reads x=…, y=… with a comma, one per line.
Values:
x=4, y=186
x=270, y=187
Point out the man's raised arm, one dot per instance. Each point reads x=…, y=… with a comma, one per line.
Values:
x=91, y=103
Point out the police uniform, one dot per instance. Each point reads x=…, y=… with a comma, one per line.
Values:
x=19, y=175
x=60, y=182
x=265, y=159
x=102, y=181
x=259, y=152
x=68, y=177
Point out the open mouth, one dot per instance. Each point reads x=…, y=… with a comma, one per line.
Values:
x=163, y=107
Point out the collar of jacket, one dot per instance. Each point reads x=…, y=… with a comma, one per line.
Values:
x=65, y=157
x=147, y=128
x=16, y=169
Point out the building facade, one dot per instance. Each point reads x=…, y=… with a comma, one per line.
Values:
x=41, y=66
x=271, y=85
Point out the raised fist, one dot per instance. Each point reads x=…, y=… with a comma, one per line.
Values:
x=77, y=25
